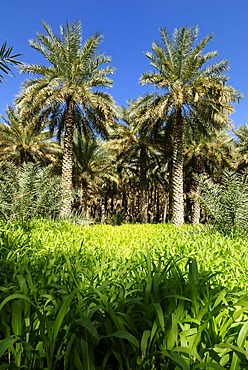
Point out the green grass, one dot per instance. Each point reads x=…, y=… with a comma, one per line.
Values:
x=109, y=246
x=122, y=297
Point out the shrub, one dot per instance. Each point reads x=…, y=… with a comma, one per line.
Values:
x=226, y=203
x=27, y=192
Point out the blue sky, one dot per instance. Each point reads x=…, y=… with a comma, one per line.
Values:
x=129, y=28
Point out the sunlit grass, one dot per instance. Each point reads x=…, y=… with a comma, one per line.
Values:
x=137, y=297
x=223, y=255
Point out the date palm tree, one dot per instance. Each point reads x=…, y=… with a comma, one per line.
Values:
x=69, y=90
x=94, y=169
x=136, y=150
x=185, y=79
x=242, y=145
x=209, y=155
x=23, y=141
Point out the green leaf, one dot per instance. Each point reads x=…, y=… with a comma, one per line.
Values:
x=86, y=323
x=16, y=318
x=77, y=361
x=173, y=333
x=235, y=358
x=177, y=359
x=14, y=296
x=188, y=351
x=160, y=315
x=235, y=348
x=144, y=342
x=5, y=366
x=209, y=365
x=242, y=335
x=179, y=297
x=70, y=348
x=25, y=298
x=125, y=335
x=240, y=341
x=6, y=343
x=61, y=314
x=220, y=298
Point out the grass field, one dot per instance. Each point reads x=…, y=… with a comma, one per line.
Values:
x=122, y=297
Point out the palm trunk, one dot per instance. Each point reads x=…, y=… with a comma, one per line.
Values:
x=195, y=193
x=165, y=209
x=177, y=216
x=103, y=210
x=67, y=163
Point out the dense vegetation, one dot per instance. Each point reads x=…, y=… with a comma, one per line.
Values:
x=76, y=290
x=122, y=297
x=143, y=161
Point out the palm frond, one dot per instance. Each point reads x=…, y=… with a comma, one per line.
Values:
x=227, y=203
x=7, y=59
x=32, y=192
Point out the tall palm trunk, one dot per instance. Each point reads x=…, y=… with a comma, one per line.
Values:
x=177, y=216
x=67, y=162
x=195, y=193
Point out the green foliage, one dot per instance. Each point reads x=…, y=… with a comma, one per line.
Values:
x=118, y=217
x=7, y=59
x=226, y=203
x=242, y=145
x=186, y=81
x=69, y=97
x=25, y=140
x=28, y=191
x=106, y=297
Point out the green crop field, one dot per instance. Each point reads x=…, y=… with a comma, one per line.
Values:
x=122, y=297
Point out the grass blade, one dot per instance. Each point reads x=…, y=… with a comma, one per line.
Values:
x=175, y=357
x=144, y=342
x=61, y=315
x=122, y=334
x=6, y=343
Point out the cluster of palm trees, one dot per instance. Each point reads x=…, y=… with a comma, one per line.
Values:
x=143, y=161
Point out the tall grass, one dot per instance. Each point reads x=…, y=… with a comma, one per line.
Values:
x=124, y=297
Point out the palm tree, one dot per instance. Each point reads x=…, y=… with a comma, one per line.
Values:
x=185, y=79
x=68, y=90
x=93, y=170
x=23, y=141
x=6, y=59
x=209, y=155
x=136, y=149
x=242, y=145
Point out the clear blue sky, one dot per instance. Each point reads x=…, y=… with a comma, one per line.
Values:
x=129, y=28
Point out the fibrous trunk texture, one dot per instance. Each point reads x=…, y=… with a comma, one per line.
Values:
x=67, y=163
x=195, y=192
x=177, y=215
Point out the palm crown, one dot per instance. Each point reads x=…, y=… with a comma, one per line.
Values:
x=24, y=141
x=69, y=90
x=186, y=82
x=181, y=72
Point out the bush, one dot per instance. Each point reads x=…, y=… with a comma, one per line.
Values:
x=226, y=203
x=27, y=192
